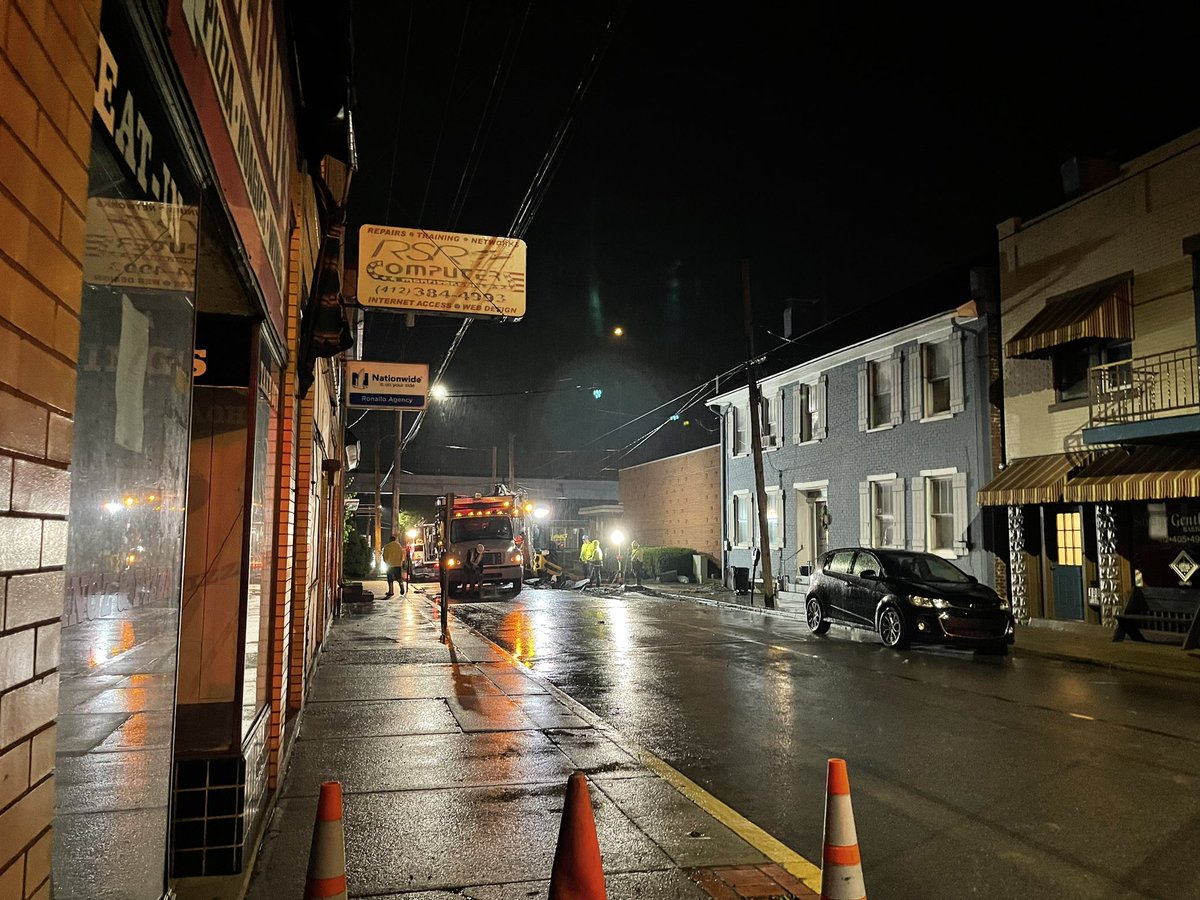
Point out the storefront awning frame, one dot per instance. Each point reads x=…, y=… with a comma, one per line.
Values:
x=1033, y=480
x=1140, y=473
x=1101, y=311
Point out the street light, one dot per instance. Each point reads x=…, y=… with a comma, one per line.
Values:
x=618, y=331
x=618, y=538
x=438, y=392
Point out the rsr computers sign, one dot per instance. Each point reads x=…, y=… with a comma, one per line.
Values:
x=412, y=270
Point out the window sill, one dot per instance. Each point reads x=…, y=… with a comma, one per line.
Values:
x=1065, y=405
x=879, y=428
x=940, y=417
x=796, y=442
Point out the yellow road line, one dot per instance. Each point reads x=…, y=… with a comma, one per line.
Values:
x=770, y=847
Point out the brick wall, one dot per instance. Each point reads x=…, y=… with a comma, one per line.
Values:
x=675, y=502
x=47, y=53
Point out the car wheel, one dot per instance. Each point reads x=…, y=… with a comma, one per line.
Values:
x=814, y=616
x=893, y=630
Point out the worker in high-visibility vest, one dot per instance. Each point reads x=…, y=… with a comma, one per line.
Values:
x=585, y=555
x=637, y=558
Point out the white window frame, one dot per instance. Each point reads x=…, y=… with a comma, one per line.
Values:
x=775, y=501
x=737, y=499
x=923, y=516
x=771, y=419
x=919, y=385
x=869, y=492
x=867, y=419
x=739, y=424
x=809, y=407
x=926, y=350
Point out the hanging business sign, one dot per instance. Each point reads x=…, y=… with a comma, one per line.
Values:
x=412, y=270
x=376, y=385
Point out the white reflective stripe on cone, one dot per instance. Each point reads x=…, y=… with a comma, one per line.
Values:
x=329, y=860
x=839, y=821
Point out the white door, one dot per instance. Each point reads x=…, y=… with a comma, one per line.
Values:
x=812, y=534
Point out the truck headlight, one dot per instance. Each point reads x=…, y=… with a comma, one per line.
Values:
x=451, y=562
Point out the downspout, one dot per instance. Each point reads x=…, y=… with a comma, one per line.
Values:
x=721, y=413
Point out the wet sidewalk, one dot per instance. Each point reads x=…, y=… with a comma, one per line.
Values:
x=454, y=761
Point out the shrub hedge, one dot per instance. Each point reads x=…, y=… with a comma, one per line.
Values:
x=356, y=555
x=666, y=559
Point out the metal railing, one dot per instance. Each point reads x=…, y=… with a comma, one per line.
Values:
x=1146, y=387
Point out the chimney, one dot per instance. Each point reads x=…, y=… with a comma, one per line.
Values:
x=802, y=314
x=789, y=313
x=1081, y=174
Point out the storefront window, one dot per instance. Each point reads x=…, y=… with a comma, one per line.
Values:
x=256, y=672
x=129, y=469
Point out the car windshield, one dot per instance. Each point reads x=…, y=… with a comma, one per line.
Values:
x=491, y=528
x=923, y=567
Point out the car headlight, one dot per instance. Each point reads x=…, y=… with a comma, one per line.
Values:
x=928, y=602
x=1004, y=603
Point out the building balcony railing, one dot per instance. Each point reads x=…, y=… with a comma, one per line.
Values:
x=1147, y=387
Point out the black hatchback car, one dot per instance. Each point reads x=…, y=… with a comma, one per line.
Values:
x=906, y=596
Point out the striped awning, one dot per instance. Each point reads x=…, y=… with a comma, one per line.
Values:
x=1101, y=311
x=1148, y=473
x=1035, y=479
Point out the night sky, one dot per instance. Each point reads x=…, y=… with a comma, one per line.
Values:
x=846, y=153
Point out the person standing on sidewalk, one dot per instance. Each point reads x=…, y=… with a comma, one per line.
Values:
x=393, y=558
x=585, y=557
x=637, y=560
x=597, y=565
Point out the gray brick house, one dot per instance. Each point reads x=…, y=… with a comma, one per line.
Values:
x=876, y=432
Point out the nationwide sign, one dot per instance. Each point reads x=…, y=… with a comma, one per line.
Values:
x=376, y=385
x=411, y=270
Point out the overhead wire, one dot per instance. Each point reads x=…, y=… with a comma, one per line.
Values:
x=528, y=207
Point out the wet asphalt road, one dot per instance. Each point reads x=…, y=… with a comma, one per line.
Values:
x=971, y=775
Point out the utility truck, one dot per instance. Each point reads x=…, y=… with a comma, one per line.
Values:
x=466, y=522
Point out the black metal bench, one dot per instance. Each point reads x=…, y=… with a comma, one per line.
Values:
x=1172, y=615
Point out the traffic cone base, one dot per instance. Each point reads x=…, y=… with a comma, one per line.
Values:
x=841, y=865
x=578, y=873
x=327, y=856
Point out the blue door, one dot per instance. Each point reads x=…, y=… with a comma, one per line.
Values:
x=1066, y=565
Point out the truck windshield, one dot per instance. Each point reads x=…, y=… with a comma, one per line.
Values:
x=492, y=528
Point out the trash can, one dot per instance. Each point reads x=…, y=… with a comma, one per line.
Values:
x=741, y=579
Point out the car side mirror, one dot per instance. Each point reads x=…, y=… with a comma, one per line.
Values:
x=868, y=573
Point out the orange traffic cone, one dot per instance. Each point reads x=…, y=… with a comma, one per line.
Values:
x=327, y=858
x=841, y=866
x=578, y=873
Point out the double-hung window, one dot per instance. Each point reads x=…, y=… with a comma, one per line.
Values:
x=935, y=367
x=881, y=512
x=771, y=420
x=879, y=374
x=936, y=379
x=741, y=519
x=879, y=392
x=809, y=412
x=740, y=430
x=939, y=500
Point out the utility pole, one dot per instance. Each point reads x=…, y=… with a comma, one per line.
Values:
x=512, y=469
x=378, y=512
x=396, y=473
x=764, y=536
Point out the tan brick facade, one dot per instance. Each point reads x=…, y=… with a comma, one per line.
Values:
x=47, y=52
x=1136, y=224
x=676, y=501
